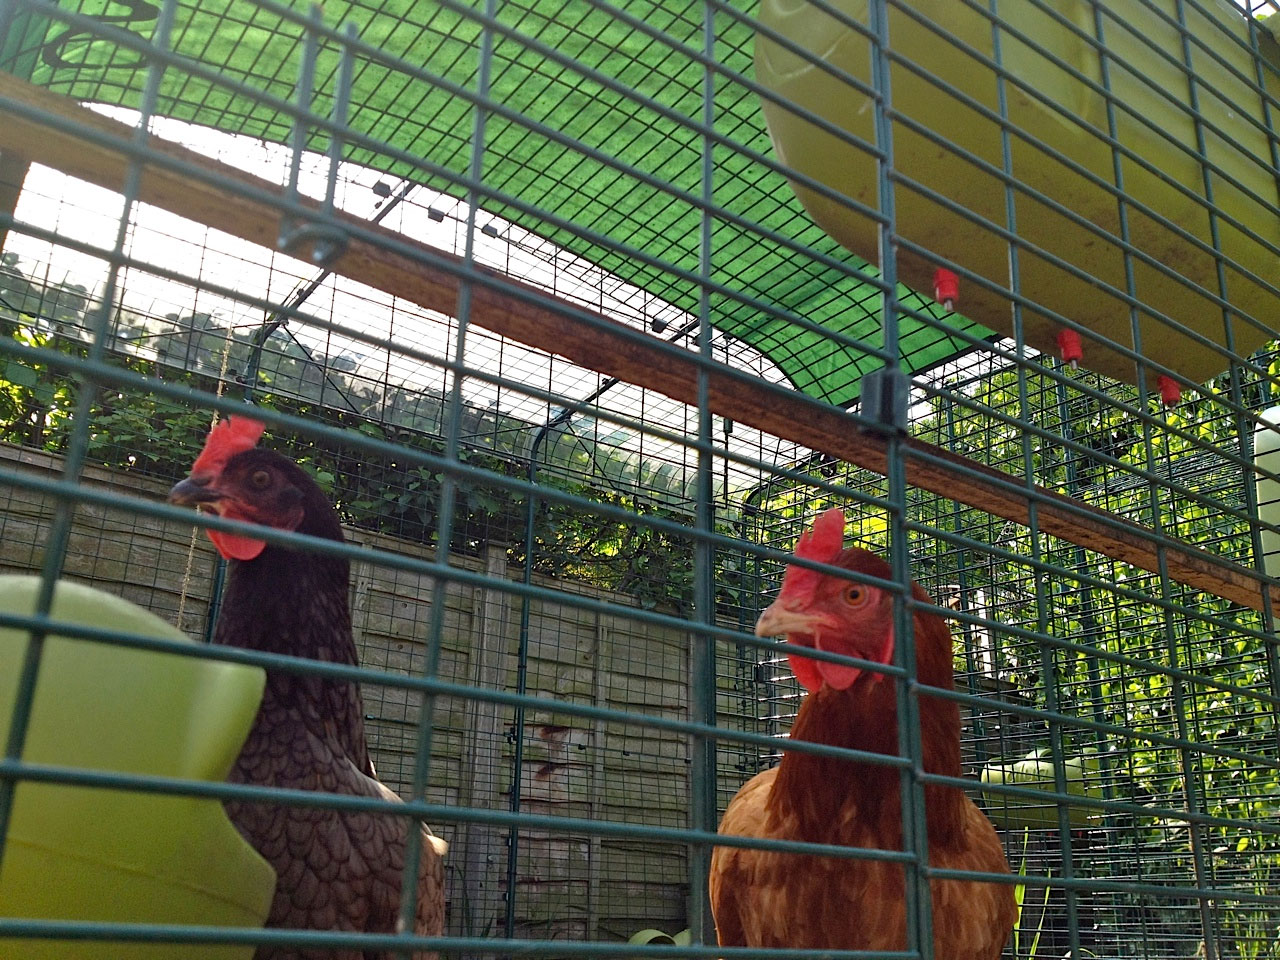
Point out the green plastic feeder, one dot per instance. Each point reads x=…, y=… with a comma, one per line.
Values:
x=84, y=854
x=1035, y=770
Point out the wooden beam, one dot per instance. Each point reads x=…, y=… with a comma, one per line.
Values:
x=541, y=321
x=13, y=172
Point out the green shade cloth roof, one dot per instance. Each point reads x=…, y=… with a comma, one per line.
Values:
x=571, y=148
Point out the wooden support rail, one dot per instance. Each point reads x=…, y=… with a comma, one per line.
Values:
x=541, y=321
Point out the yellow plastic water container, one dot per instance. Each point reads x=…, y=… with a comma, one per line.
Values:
x=1035, y=770
x=76, y=853
x=1241, y=150
x=1266, y=454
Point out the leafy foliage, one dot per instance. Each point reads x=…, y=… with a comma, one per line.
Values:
x=148, y=434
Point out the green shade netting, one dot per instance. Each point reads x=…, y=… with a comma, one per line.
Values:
x=600, y=172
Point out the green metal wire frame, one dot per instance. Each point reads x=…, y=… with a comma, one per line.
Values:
x=627, y=698
x=594, y=78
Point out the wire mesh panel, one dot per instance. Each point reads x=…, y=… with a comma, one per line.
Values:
x=579, y=316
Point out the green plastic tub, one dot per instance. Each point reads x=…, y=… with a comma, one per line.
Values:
x=108, y=855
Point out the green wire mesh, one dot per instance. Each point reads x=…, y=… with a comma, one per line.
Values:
x=562, y=74
x=563, y=768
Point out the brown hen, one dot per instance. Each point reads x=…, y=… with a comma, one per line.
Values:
x=766, y=899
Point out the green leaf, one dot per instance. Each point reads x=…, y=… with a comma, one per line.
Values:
x=20, y=374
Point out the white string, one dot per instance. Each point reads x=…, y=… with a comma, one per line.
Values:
x=195, y=531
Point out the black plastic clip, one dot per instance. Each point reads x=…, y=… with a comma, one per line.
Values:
x=886, y=398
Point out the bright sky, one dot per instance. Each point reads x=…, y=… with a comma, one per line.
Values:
x=89, y=214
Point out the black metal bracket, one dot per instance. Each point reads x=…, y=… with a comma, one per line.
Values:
x=327, y=242
x=886, y=398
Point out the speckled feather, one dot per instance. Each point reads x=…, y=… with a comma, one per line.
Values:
x=335, y=870
x=765, y=899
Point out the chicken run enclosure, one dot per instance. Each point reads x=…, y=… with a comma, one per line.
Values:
x=579, y=312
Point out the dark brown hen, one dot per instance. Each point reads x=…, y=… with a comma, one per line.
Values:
x=335, y=870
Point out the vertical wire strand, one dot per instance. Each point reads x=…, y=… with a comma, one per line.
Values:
x=1191, y=796
x=78, y=442
x=1192, y=788
x=963, y=588
x=1244, y=426
x=918, y=899
x=1088, y=619
x=1048, y=653
x=449, y=485
x=1268, y=594
x=303, y=91
x=341, y=107
x=1122, y=213
x=184, y=595
x=703, y=673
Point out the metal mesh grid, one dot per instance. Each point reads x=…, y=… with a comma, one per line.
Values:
x=647, y=519
x=1130, y=702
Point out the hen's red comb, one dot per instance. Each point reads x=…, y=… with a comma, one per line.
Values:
x=822, y=544
x=233, y=435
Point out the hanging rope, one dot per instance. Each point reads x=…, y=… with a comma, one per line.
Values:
x=195, y=531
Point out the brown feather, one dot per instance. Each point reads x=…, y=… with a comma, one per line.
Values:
x=766, y=899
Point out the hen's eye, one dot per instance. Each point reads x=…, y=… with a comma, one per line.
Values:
x=260, y=479
x=855, y=595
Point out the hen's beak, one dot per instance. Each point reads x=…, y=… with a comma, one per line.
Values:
x=195, y=491
x=777, y=620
